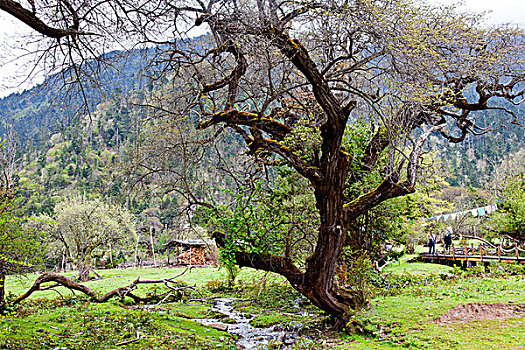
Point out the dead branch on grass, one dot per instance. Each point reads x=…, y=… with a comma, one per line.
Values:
x=120, y=292
x=59, y=279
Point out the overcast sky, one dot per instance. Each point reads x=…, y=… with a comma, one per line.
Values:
x=501, y=11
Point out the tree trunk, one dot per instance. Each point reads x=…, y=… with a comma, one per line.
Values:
x=317, y=282
x=153, y=248
x=83, y=272
x=62, y=280
x=321, y=268
x=319, y=285
x=121, y=292
x=110, y=255
x=2, y=292
x=322, y=264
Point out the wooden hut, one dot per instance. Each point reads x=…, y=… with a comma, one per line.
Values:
x=188, y=251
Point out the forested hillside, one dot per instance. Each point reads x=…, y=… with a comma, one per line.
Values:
x=472, y=162
x=92, y=139
x=47, y=107
x=70, y=135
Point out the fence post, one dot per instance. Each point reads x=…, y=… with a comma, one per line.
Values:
x=481, y=251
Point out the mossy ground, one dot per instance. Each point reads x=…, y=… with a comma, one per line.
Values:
x=400, y=315
x=85, y=325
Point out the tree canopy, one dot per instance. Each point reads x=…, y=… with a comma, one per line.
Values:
x=81, y=225
x=20, y=247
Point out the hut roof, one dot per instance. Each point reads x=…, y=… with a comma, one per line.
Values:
x=187, y=243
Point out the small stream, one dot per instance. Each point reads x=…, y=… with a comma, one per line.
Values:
x=249, y=337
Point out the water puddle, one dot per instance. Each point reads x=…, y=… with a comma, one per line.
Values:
x=249, y=337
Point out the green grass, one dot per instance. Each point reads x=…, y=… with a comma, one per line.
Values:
x=404, y=320
x=399, y=317
x=116, y=278
x=104, y=326
x=419, y=269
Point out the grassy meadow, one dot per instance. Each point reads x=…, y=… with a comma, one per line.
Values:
x=403, y=314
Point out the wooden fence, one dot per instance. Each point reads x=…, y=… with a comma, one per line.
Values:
x=481, y=253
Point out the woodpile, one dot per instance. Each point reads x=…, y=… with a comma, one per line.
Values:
x=193, y=256
x=192, y=252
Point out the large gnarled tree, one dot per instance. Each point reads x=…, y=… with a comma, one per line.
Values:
x=268, y=68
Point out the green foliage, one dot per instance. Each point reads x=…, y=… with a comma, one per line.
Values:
x=392, y=221
x=305, y=140
x=232, y=271
x=81, y=225
x=243, y=226
x=20, y=246
x=276, y=218
x=91, y=326
x=510, y=218
x=359, y=276
x=356, y=137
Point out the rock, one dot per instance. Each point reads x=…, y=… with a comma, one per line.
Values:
x=219, y=326
x=289, y=340
x=281, y=337
x=295, y=326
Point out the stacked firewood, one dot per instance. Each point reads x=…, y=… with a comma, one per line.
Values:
x=193, y=256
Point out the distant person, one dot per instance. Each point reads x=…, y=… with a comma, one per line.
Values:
x=448, y=238
x=431, y=243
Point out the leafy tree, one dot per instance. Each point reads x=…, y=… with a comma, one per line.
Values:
x=82, y=225
x=276, y=218
x=510, y=217
x=20, y=247
x=508, y=186
x=505, y=172
x=294, y=78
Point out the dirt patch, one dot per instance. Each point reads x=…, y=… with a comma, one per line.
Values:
x=479, y=312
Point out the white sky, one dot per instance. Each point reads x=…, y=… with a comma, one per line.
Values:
x=501, y=11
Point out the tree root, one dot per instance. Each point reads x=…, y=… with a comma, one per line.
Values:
x=120, y=292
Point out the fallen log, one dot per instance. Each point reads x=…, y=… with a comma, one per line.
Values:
x=72, y=285
x=59, y=279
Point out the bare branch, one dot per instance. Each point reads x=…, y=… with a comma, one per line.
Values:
x=29, y=17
